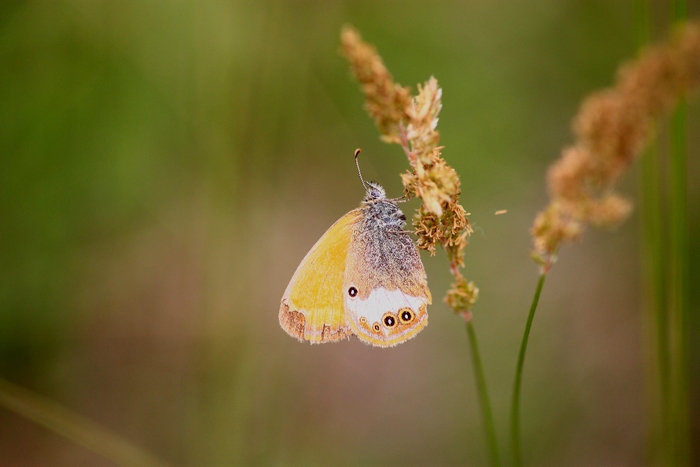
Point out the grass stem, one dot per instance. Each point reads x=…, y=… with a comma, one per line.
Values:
x=654, y=254
x=483, y=396
x=655, y=296
x=515, y=404
x=678, y=290
x=678, y=435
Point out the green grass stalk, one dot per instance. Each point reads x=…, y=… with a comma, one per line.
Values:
x=678, y=290
x=654, y=256
x=72, y=426
x=483, y=395
x=678, y=303
x=515, y=403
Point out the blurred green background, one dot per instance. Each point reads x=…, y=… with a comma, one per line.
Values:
x=164, y=167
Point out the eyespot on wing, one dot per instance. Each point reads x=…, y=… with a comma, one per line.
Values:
x=387, y=318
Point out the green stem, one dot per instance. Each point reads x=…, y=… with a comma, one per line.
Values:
x=72, y=426
x=678, y=409
x=655, y=254
x=483, y=396
x=515, y=405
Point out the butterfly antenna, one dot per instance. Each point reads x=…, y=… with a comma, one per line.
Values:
x=357, y=163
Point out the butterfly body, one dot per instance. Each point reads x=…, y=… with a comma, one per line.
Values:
x=364, y=276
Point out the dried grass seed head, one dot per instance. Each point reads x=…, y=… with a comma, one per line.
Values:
x=385, y=100
x=412, y=123
x=611, y=129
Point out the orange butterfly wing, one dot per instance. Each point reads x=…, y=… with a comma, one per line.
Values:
x=313, y=307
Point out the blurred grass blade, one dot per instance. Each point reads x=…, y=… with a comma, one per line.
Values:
x=70, y=425
x=678, y=302
x=678, y=291
x=655, y=296
x=654, y=254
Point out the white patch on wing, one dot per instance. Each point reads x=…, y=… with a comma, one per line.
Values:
x=380, y=301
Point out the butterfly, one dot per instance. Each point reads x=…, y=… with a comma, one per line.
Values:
x=364, y=276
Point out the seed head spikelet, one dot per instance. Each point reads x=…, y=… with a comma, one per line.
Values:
x=612, y=128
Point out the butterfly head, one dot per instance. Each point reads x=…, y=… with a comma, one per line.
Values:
x=374, y=192
x=379, y=211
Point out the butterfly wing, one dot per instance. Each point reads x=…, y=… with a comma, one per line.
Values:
x=389, y=302
x=312, y=307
